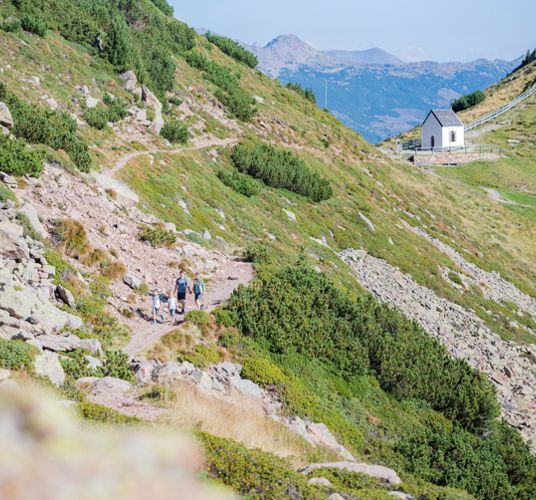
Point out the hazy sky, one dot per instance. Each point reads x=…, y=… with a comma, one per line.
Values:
x=446, y=30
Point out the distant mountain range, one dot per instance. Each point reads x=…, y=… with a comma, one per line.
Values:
x=373, y=91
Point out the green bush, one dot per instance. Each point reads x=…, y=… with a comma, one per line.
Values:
x=233, y=49
x=199, y=318
x=75, y=365
x=16, y=355
x=157, y=236
x=164, y=7
x=97, y=117
x=305, y=93
x=117, y=365
x=34, y=24
x=258, y=253
x=175, y=100
x=238, y=102
x=11, y=26
x=175, y=132
x=6, y=194
x=17, y=159
x=117, y=108
x=497, y=466
x=280, y=168
x=55, y=129
x=225, y=317
x=299, y=310
x=203, y=356
x=254, y=473
x=241, y=183
x=468, y=101
x=103, y=414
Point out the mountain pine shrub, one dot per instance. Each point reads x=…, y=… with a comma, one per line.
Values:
x=16, y=355
x=233, y=49
x=17, y=159
x=468, y=101
x=280, y=168
x=305, y=93
x=34, y=24
x=175, y=132
x=241, y=183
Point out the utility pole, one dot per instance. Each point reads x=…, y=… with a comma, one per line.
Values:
x=326, y=96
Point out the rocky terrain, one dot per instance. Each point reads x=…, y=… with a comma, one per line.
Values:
x=511, y=367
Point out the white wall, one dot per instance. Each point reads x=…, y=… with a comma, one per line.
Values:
x=460, y=139
x=431, y=127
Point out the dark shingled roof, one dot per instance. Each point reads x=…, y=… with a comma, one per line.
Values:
x=446, y=117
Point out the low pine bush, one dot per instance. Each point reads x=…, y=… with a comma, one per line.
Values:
x=102, y=414
x=233, y=49
x=257, y=253
x=97, y=117
x=16, y=355
x=34, y=24
x=17, y=159
x=241, y=183
x=175, y=132
x=280, y=168
x=157, y=236
x=468, y=101
x=199, y=318
x=307, y=94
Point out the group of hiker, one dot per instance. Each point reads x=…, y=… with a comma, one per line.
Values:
x=176, y=301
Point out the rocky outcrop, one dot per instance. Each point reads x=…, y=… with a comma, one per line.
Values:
x=151, y=100
x=6, y=120
x=465, y=335
x=69, y=459
x=48, y=365
x=384, y=474
x=31, y=213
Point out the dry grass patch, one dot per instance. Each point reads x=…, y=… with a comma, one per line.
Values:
x=181, y=340
x=241, y=419
x=114, y=270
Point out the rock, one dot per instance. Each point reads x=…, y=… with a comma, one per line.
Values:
x=130, y=82
x=65, y=296
x=206, y=235
x=35, y=343
x=336, y=496
x=144, y=372
x=52, y=103
x=170, y=226
x=4, y=374
x=400, y=494
x=92, y=102
x=367, y=221
x=322, y=436
x=4, y=130
x=93, y=363
x=290, y=215
x=205, y=382
x=246, y=387
x=141, y=115
x=384, y=474
x=91, y=345
x=31, y=213
x=67, y=343
x=97, y=386
x=153, y=101
x=48, y=365
x=8, y=180
x=132, y=281
x=70, y=459
x=6, y=120
x=320, y=481
x=258, y=99
x=169, y=373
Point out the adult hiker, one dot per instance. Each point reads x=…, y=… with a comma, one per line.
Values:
x=156, y=306
x=181, y=289
x=199, y=291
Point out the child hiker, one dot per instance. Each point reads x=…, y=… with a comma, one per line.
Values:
x=172, y=305
x=156, y=309
x=199, y=291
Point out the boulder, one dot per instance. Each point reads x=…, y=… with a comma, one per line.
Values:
x=132, y=281
x=336, y=496
x=206, y=235
x=8, y=180
x=31, y=213
x=92, y=102
x=6, y=120
x=48, y=365
x=93, y=363
x=322, y=436
x=59, y=343
x=65, y=296
x=384, y=474
x=129, y=79
x=400, y=494
x=246, y=387
x=320, y=481
x=153, y=101
x=258, y=99
x=53, y=104
x=106, y=385
x=170, y=226
x=4, y=374
x=291, y=216
x=144, y=372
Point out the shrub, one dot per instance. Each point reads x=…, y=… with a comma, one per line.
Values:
x=175, y=100
x=299, y=310
x=164, y=7
x=117, y=365
x=233, y=49
x=224, y=317
x=199, y=318
x=34, y=24
x=175, y=132
x=16, y=355
x=11, y=26
x=55, y=129
x=305, y=93
x=157, y=236
x=203, y=356
x=17, y=159
x=253, y=473
x=75, y=365
x=258, y=253
x=97, y=117
x=103, y=414
x=280, y=168
x=241, y=183
x=468, y=101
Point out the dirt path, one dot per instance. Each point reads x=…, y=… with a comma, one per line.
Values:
x=231, y=275
x=108, y=180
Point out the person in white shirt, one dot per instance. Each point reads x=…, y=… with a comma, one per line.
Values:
x=172, y=305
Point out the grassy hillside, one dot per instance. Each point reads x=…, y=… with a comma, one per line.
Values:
x=398, y=399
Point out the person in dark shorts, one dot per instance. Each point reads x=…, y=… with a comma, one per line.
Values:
x=182, y=287
x=199, y=291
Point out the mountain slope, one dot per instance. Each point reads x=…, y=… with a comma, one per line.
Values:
x=389, y=209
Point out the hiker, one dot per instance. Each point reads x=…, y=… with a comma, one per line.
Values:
x=199, y=291
x=156, y=311
x=181, y=289
x=172, y=305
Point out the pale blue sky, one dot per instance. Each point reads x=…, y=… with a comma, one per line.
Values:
x=446, y=30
